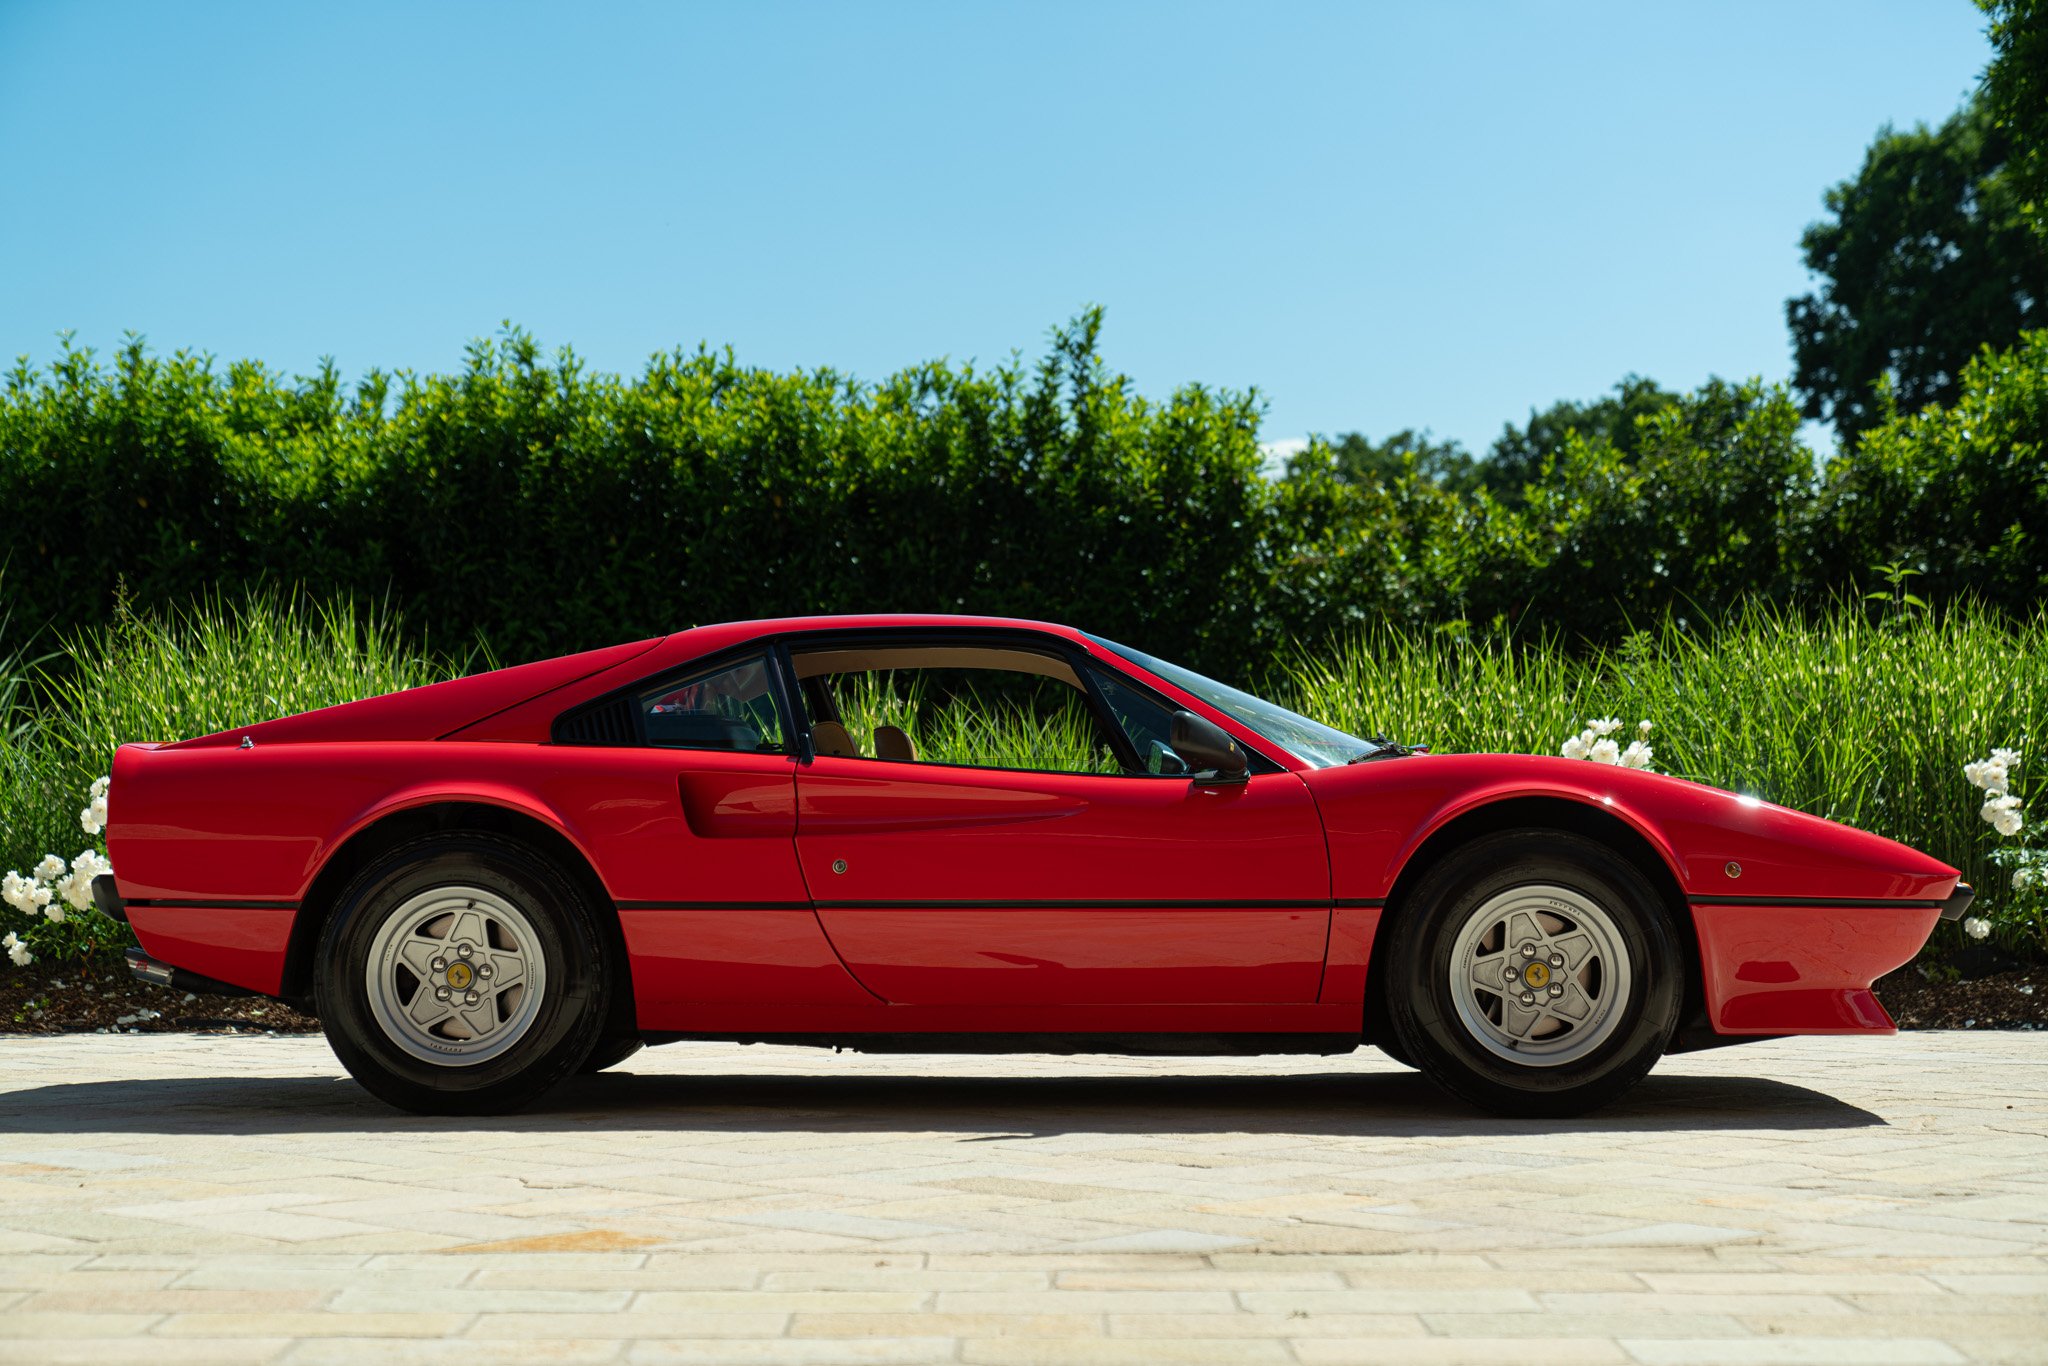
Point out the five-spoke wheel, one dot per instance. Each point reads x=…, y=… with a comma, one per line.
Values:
x=461, y=974
x=1542, y=975
x=1533, y=972
x=455, y=974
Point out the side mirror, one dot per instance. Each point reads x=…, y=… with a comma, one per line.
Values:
x=1208, y=750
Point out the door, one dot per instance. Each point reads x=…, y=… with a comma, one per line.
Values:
x=941, y=882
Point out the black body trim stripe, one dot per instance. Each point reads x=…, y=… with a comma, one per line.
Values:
x=218, y=903
x=1878, y=903
x=1071, y=903
x=713, y=905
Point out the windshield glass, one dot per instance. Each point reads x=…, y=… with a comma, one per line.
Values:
x=1320, y=745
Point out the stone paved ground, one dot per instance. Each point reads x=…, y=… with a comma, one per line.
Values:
x=176, y=1198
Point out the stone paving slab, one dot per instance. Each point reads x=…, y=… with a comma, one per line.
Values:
x=168, y=1198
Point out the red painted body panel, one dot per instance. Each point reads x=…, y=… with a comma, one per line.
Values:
x=1379, y=814
x=1351, y=933
x=1182, y=908
x=688, y=961
x=240, y=945
x=1804, y=969
x=905, y=834
x=257, y=824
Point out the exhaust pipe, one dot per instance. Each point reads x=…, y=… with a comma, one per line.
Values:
x=147, y=969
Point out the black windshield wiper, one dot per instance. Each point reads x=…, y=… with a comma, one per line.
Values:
x=1387, y=749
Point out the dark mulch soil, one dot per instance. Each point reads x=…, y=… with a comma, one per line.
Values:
x=2016, y=998
x=43, y=1000
x=68, y=1000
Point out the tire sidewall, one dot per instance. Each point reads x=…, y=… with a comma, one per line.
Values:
x=563, y=1030
x=1420, y=990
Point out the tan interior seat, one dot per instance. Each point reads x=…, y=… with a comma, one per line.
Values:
x=893, y=742
x=830, y=738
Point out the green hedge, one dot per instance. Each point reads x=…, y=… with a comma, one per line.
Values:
x=531, y=503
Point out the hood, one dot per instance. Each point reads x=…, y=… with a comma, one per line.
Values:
x=431, y=712
x=1719, y=845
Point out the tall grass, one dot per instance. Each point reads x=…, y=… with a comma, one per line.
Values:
x=966, y=730
x=175, y=675
x=1862, y=721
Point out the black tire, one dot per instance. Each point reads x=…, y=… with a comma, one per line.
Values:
x=1379, y=1028
x=563, y=1027
x=1451, y=1048
x=610, y=1053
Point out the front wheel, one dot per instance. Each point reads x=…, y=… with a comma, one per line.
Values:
x=462, y=975
x=1535, y=973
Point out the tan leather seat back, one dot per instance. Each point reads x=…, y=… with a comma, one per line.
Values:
x=893, y=742
x=830, y=738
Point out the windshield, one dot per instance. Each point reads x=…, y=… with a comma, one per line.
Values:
x=1321, y=745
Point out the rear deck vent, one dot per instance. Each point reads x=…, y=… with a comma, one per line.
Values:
x=606, y=723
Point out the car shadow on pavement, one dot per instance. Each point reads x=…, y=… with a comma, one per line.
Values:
x=978, y=1108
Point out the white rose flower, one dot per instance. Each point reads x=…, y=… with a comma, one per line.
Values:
x=2023, y=877
x=1637, y=755
x=1606, y=726
x=1605, y=752
x=1574, y=748
x=1643, y=726
x=100, y=786
x=49, y=869
x=2006, y=758
x=1977, y=927
x=17, y=950
x=18, y=892
x=77, y=890
x=40, y=896
x=86, y=821
x=2002, y=810
x=1988, y=774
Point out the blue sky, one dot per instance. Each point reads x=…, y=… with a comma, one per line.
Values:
x=1380, y=215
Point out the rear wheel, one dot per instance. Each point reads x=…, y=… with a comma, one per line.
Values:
x=461, y=974
x=1535, y=973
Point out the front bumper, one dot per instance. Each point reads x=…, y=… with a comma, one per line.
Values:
x=1958, y=901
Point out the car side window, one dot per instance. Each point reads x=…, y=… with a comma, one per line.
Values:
x=731, y=707
x=1143, y=718
x=980, y=706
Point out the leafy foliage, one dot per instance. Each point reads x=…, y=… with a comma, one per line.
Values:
x=1357, y=459
x=2016, y=89
x=1520, y=455
x=544, y=508
x=1926, y=256
x=1959, y=494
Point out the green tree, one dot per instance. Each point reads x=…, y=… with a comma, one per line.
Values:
x=1925, y=257
x=1958, y=494
x=1357, y=459
x=1707, y=508
x=1520, y=454
x=2016, y=89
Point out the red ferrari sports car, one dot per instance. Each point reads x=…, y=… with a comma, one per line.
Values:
x=933, y=833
